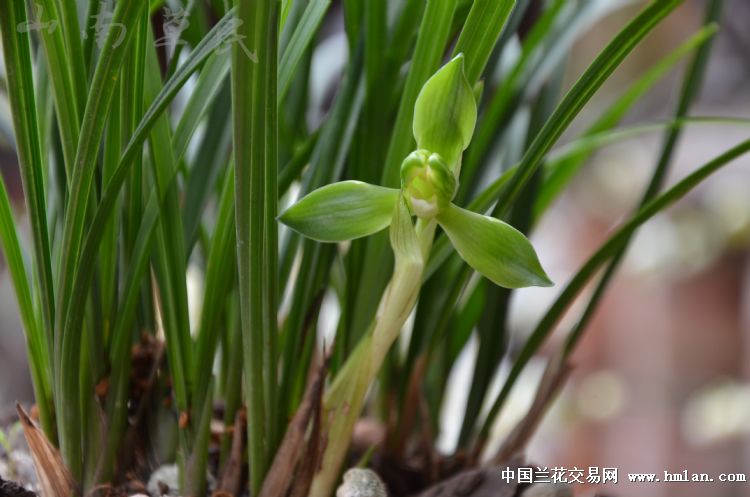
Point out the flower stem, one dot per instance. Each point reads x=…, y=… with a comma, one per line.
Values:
x=344, y=400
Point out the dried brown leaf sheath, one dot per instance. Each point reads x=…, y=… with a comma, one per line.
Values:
x=54, y=478
x=278, y=483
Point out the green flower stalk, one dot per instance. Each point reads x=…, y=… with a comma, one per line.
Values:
x=444, y=119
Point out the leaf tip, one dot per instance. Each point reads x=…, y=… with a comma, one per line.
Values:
x=544, y=281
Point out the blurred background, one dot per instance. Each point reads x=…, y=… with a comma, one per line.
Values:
x=662, y=376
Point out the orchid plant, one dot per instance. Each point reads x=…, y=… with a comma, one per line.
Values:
x=444, y=118
x=138, y=191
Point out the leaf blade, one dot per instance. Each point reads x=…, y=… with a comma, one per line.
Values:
x=480, y=33
x=596, y=261
x=580, y=94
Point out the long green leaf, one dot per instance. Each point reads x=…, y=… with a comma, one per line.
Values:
x=18, y=68
x=588, y=84
x=38, y=352
x=299, y=42
x=691, y=86
x=66, y=88
x=171, y=259
x=220, y=277
x=557, y=181
x=69, y=339
x=208, y=86
x=592, y=265
x=254, y=114
x=122, y=338
x=70, y=25
x=208, y=164
x=480, y=33
x=213, y=40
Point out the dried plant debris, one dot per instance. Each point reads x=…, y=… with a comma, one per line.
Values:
x=231, y=479
x=54, y=478
x=295, y=447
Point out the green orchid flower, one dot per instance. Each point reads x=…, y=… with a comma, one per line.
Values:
x=444, y=119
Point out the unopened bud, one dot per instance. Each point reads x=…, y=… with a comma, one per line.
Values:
x=445, y=113
x=427, y=183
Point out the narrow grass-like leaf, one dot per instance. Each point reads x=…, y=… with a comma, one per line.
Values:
x=171, y=260
x=66, y=88
x=209, y=83
x=133, y=109
x=213, y=40
x=254, y=98
x=592, y=79
x=562, y=175
x=691, y=86
x=342, y=211
x=220, y=278
x=70, y=27
x=299, y=42
x=68, y=339
x=108, y=257
x=122, y=337
x=15, y=263
x=231, y=359
x=592, y=265
x=18, y=68
x=38, y=352
x=480, y=33
x=208, y=165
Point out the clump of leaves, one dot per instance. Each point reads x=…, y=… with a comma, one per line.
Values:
x=125, y=191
